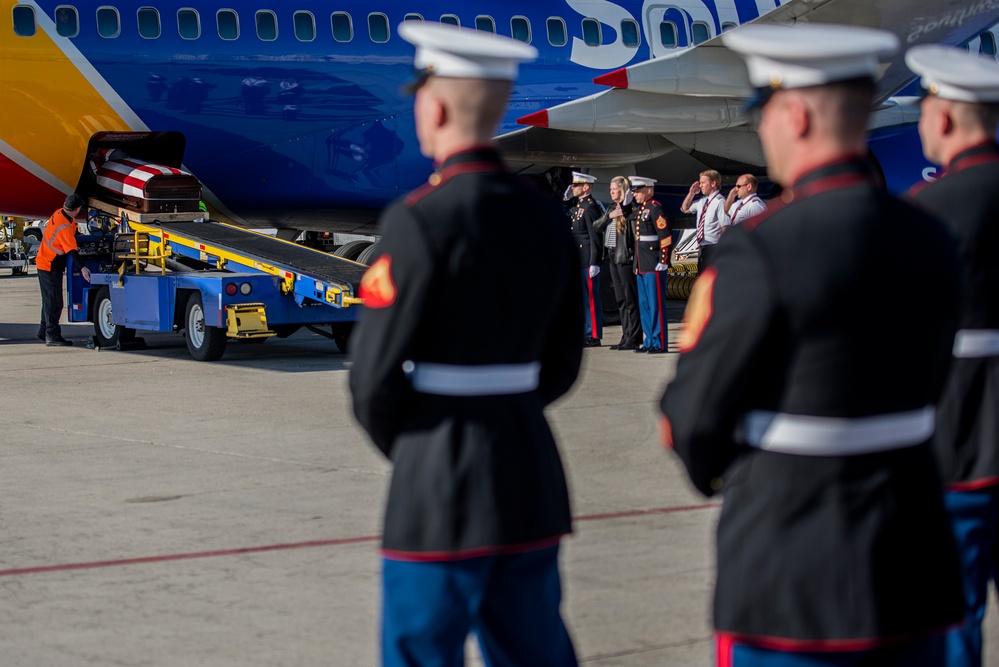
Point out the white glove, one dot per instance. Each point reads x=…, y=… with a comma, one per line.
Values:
x=567, y=195
x=661, y=267
x=594, y=270
x=629, y=197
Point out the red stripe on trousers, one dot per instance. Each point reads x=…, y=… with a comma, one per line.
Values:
x=593, y=306
x=724, y=645
x=659, y=307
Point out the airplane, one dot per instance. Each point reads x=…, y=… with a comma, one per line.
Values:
x=292, y=117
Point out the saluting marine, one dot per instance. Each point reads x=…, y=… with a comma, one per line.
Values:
x=833, y=546
x=452, y=370
x=582, y=215
x=960, y=115
x=653, y=243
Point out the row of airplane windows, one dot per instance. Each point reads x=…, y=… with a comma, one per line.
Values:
x=67, y=22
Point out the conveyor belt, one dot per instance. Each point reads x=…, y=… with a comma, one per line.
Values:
x=270, y=251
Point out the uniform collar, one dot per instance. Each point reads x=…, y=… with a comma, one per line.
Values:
x=984, y=152
x=479, y=154
x=843, y=172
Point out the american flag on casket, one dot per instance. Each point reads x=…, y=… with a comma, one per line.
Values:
x=144, y=186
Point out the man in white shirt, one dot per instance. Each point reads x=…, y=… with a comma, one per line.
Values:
x=743, y=202
x=710, y=213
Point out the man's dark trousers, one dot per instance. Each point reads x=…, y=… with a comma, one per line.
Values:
x=50, y=283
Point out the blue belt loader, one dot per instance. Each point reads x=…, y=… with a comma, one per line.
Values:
x=212, y=281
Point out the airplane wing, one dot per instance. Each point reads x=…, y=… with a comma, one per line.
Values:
x=664, y=104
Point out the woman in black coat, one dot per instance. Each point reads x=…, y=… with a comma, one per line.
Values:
x=620, y=250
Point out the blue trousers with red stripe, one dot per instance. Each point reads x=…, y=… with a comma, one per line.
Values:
x=974, y=516
x=510, y=602
x=594, y=327
x=921, y=652
x=652, y=308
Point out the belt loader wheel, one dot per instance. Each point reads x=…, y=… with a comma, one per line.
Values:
x=107, y=332
x=205, y=343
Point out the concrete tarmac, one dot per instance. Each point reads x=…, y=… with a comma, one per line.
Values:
x=158, y=511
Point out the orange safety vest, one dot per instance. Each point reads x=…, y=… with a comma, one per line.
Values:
x=59, y=238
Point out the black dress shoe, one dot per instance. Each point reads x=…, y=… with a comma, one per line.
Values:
x=591, y=342
x=58, y=342
x=625, y=348
x=657, y=350
x=616, y=347
x=641, y=350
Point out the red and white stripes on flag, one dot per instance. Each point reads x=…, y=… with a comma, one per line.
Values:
x=129, y=176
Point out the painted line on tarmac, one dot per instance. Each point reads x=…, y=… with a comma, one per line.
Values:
x=306, y=545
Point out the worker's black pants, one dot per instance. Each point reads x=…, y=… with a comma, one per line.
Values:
x=50, y=283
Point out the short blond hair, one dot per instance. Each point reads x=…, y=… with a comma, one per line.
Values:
x=712, y=176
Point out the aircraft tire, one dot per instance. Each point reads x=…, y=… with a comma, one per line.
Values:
x=369, y=252
x=352, y=249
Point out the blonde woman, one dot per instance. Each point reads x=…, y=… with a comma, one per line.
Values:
x=619, y=248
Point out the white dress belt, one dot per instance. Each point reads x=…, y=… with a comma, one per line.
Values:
x=648, y=238
x=971, y=343
x=482, y=380
x=807, y=435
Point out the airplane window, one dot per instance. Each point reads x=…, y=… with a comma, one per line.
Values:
x=227, y=21
x=556, y=32
x=667, y=34
x=305, y=26
x=108, y=23
x=727, y=26
x=266, y=25
x=629, y=33
x=67, y=21
x=24, y=20
x=412, y=17
x=149, y=22
x=343, y=29
x=700, y=32
x=520, y=28
x=988, y=46
x=591, y=32
x=485, y=23
x=378, y=28
x=450, y=19
x=188, y=23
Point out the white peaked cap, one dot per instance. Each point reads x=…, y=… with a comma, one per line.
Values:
x=450, y=51
x=955, y=74
x=641, y=181
x=783, y=57
x=580, y=178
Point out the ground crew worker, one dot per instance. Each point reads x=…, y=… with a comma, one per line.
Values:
x=833, y=544
x=743, y=202
x=453, y=368
x=709, y=211
x=582, y=215
x=960, y=115
x=653, y=243
x=58, y=243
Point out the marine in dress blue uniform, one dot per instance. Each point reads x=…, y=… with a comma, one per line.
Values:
x=582, y=215
x=833, y=545
x=958, y=126
x=653, y=244
x=452, y=371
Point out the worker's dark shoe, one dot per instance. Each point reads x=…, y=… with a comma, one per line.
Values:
x=591, y=342
x=58, y=342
